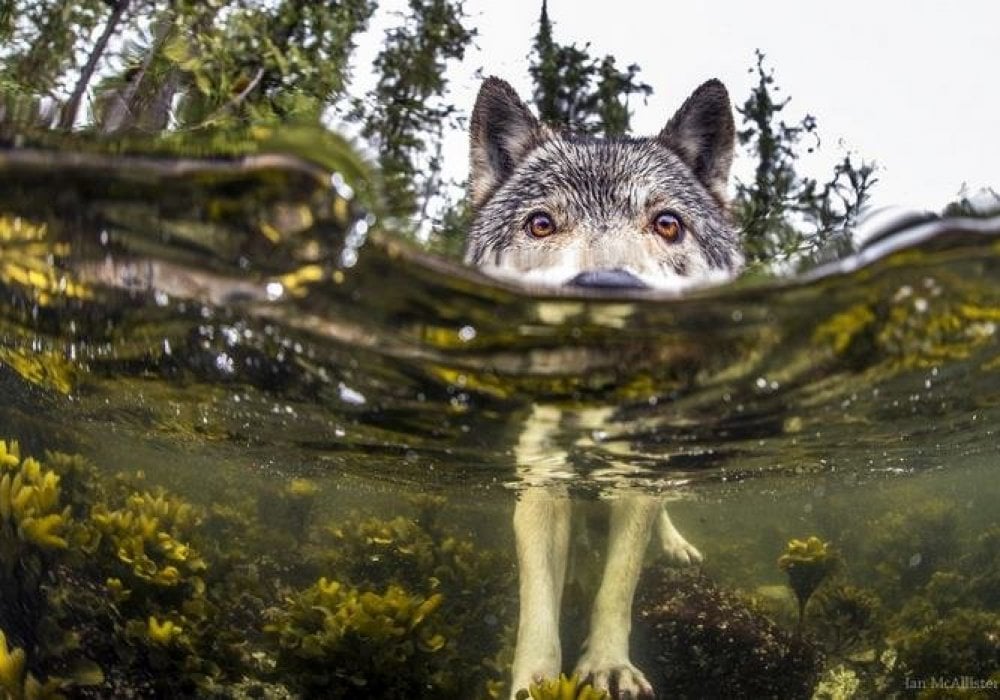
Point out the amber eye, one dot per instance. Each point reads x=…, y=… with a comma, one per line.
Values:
x=668, y=227
x=541, y=225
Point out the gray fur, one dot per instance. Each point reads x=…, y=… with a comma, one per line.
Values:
x=603, y=194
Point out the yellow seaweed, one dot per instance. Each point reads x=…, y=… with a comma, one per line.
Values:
x=562, y=688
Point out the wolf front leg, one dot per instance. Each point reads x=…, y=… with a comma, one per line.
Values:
x=541, y=528
x=541, y=531
x=605, y=658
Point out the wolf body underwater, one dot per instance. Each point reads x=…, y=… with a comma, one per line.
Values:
x=553, y=209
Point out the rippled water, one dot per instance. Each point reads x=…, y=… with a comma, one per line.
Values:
x=232, y=322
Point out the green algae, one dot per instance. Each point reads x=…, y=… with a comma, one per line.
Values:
x=17, y=683
x=807, y=563
x=965, y=642
x=153, y=595
x=31, y=513
x=850, y=616
x=336, y=641
x=562, y=688
x=914, y=600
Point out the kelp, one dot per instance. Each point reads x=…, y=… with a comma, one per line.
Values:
x=807, y=563
x=336, y=641
x=153, y=595
x=562, y=688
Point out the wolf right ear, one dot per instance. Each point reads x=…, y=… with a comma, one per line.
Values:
x=503, y=131
x=703, y=134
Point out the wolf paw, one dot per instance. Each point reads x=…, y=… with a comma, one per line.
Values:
x=534, y=666
x=678, y=551
x=620, y=679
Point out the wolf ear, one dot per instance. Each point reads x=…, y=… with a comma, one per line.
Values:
x=703, y=134
x=503, y=131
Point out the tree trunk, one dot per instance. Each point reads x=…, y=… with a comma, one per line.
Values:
x=68, y=117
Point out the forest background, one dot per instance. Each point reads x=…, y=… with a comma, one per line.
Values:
x=114, y=67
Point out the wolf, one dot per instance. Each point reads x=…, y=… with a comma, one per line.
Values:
x=553, y=208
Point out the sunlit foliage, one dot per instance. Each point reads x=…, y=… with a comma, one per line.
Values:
x=784, y=215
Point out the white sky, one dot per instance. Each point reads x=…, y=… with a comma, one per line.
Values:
x=911, y=84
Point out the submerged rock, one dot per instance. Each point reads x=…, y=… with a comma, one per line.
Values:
x=695, y=640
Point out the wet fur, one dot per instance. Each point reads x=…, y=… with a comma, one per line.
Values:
x=603, y=196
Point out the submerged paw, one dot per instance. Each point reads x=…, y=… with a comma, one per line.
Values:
x=677, y=550
x=680, y=552
x=534, y=664
x=620, y=680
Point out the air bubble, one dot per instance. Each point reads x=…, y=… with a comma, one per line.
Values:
x=224, y=363
x=349, y=395
x=274, y=290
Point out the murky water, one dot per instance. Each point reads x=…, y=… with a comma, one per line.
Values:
x=308, y=438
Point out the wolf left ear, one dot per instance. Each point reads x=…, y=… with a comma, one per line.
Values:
x=503, y=131
x=703, y=134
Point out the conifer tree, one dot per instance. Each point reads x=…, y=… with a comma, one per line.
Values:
x=783, y=215
x=405, y=115
x=578, y=92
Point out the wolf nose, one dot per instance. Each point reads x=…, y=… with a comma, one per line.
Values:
x=608, y=279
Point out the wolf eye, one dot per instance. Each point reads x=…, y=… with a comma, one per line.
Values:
x=668, y=227
x=541, y=225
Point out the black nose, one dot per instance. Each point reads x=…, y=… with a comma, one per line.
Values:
x=608, y=279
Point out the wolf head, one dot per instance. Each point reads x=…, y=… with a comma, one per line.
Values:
x=554, y=208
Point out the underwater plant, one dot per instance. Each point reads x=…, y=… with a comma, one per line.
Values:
x=965, y=643
x=79, y=483
x=149, y=535
x=807, y=563
x=917, y=568
x=17, y=683
x=838, y=683
x=36, y=534
x=134, y=591
x=697, y=640
x=907, y=546
x=336, y=641
x=427, y=552
x=982, y=564
x=562, y=688
x=31, y=512
x=289, y=508
x=85, y=577
x=847, y=617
